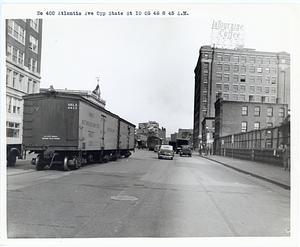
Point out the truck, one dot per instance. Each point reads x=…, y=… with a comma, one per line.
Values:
x=179, y=143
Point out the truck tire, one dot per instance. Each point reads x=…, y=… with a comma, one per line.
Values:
x=11, y=160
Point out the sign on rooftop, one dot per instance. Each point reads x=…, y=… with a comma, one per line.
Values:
x=227, y=35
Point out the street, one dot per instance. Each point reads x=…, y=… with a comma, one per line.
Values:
x=144, y=196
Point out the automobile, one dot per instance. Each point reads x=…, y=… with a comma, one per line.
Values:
x=186, y=150
x=156, y=148
x=166, y=151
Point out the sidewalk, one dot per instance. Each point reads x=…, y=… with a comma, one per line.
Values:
x=270, y=173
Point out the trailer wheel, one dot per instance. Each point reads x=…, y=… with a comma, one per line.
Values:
x=66, y=168
x=11, y=160
x=38, y=163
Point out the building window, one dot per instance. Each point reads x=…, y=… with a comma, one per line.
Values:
x=252, y=79
x=205, y=96
x=269, y=125
x=226, y=87
x=12, y=129
x=274, y=60
x=270, y=111
x=274, y=71
x=259, y=60
x=258, y=98
x=227, y=57
x=256, y=125
x=204, y=85
x=243, y=78
x=259, y=79
x=242, y=88
x=259, y=69
x=33, y=43
x=243, y=59
x=219, y=57
x=226, y=67
x=9, y=52
x=219, y=77
x=32, y=65
x=226, y=77
x=236, y=59
x=244, y=126
x=267, y=90
x=267, y=70
x=243, y=69
x=252, y=59
x=251, y=89
x=251, y=98
x=235, y=78
x=16, y=31
x=281, y=112
x=219, y=86
x=256, y=111
x=235, y=88
x=273, y=90
x=15, y=79
x=235, y=68
x=242, y=97
x=273, y=99
x=8, y=76
x=267, y=60
x=259, y=89
x=34, y=23
x=244, y=110
x=219, y=67
x=252, y=69
x=235, y=97
x=267, y=79
x=273, y=80
x=226, y=96
x=205, y=55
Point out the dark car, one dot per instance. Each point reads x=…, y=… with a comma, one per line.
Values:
x=166, y=151
x=186, y=150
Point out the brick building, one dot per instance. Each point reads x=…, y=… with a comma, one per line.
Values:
x=242, y=75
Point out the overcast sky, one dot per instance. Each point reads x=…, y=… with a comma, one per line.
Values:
x=146, y=65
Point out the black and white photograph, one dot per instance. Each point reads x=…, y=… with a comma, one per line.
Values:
x=150, y=124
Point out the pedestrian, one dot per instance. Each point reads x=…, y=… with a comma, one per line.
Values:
x=286, y=157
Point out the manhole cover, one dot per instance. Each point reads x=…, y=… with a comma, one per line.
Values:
x=124, y=198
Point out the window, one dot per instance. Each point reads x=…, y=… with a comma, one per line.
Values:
x=219, y=77
x=235, y=88
x=226, y=77
x=15, y=55
x=259, y=60
x=33, y=43
x=273, y=80
x=258, y=98
x=259, y=89
x=21, y=58
x=227, y=57
x=273, y=90
x=205, y=55
x=226, y=67
x=267, y=90
x=9, y=52
x=251, y=89
x=244, y=110
x=274, y=60
x=243, y=68
x=270, y=111
x=242, y=88
x=204, y=96
x=256, y=125
x=219, y=86
x=16, y=31
x=265, y=99
x=252, y=79
x=268, y=60
x=219, y=57
x=243, y=59
x=204, y=85
x=268, y=79
x=8, y=76
x=259, y=79
x=219, y=67
x=12, y=129
x=235, y=78
x=34, y=23
x=259, y=69
x=252, y=59
x=243, y=78
x=235, y=97
x=273, y=99
x=251, y=98
x=267, y=70
x=274, y=71
x=252, y=69
x=226, y=87
x=244, y=126
x=256, y=111
x=281, y=112
x=269, y=125
x=32, y=65
x=226, y=96
x=235, y=68
x=15, y=78
x=242, y=97
x=236, y=59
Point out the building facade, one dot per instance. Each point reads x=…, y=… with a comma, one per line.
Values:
x=232, y=117
x=23, y=75
x=242, y=75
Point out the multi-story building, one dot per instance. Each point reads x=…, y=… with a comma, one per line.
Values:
x=151, y=128
x=23, y=69
x=242, y=75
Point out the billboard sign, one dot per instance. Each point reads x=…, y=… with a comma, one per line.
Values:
x=227, y=35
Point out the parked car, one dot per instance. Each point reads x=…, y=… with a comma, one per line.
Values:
x=166, y=151
x=186, y=150
x=156, y=148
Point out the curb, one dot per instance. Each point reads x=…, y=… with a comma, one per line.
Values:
x=252, y=174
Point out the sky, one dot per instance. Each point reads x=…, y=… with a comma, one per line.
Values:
x=146, y=63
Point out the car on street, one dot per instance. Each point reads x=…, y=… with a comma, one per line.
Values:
x=166, y=151
x=186, y=150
